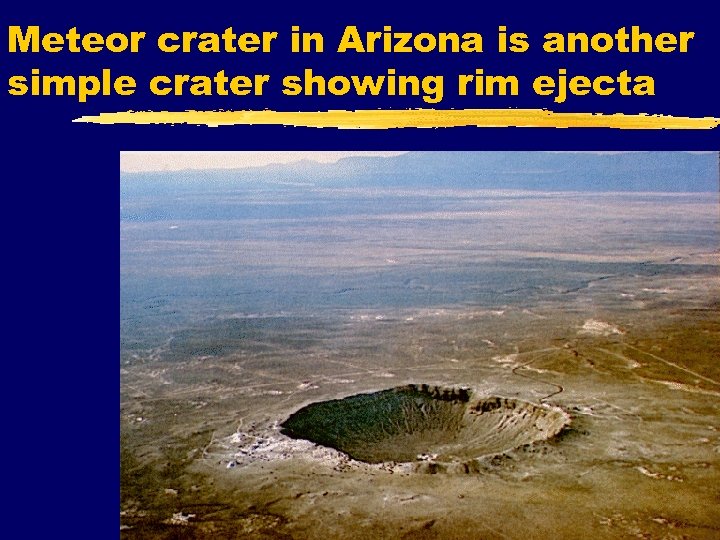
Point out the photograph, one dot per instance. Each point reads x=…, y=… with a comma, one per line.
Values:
x=419, y=344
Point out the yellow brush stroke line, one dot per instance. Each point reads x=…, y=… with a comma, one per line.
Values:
x=416, y=118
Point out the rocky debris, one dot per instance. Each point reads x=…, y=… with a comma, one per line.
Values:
x=178, y=518
x=267, y=444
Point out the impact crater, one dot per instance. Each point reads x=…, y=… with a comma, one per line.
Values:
x=436, y=427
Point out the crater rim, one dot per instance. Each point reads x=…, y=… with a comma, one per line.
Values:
x=433, y=428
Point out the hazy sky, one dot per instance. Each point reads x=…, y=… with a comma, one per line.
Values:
x=175, y=161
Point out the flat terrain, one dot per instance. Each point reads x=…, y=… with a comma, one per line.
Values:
x=240, y=307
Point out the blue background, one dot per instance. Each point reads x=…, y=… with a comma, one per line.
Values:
x=60, y=218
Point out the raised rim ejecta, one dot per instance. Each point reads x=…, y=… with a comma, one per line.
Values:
x=432, y=426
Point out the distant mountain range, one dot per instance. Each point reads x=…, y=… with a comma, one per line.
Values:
x=540, y=171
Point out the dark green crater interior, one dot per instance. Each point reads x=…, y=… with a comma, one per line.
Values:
x=421, y=422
